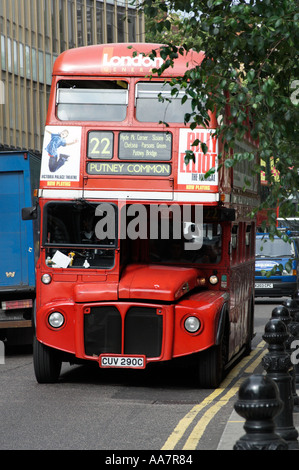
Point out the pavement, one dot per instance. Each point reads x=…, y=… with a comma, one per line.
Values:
x=232, y=432
x=234, y=428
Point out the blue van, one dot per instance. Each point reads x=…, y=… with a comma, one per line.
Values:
x=270, y=254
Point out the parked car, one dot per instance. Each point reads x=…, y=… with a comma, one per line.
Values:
x=279, y=254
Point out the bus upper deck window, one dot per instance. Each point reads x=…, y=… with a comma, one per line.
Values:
x=92, y=100
x=154, y=103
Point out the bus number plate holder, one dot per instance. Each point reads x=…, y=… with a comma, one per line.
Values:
x=122, y=361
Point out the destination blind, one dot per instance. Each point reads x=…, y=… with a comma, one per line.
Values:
x=128, y=169
x=144, y=146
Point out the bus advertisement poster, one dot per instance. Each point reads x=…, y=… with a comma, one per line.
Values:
x=61, y=155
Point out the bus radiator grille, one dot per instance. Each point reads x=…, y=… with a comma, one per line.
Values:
x=143, y=332
x=103, y=331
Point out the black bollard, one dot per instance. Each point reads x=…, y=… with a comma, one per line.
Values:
x=277, y=363
x=282, y=313
x=259, y=402
x=293, y=308
x=295, y=296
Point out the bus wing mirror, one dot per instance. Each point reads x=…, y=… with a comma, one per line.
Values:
x=29, y=213
x=227, y=214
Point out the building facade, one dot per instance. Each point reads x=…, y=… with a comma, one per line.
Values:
x=32, y=34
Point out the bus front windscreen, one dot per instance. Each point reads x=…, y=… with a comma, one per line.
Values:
x=75, y=234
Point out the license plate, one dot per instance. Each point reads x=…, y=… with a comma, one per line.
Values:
x=263, y=285
x=126, y=362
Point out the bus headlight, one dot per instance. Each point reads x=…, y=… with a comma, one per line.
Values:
x=56, y=319
x=213, y=279
x=192, y=324
x=46, y=278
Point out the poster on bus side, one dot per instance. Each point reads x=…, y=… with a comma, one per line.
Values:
x=191, y=177
x=60, y=166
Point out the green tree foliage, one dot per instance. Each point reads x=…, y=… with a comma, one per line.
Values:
x=251, y=61
x=166, y=27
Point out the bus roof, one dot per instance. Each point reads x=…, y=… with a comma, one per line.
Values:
x=120, y=59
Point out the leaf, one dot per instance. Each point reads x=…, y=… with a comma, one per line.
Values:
x=218, y=19
x=250, y=75
x=229, y=162
x=167, y=24
x=189, y=155
x=288, y=266
x=259, y=98
x=270, y=101
x=278, y=23
x=241, y=98
x=184, y=99
x=204, y=147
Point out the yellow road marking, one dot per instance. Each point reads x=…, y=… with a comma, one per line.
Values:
x=200, y=427
x=187, y=420
x=250, y=369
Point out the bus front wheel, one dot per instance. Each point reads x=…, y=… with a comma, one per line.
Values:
x=212, y=361
x=47, y=363
x=210, y=367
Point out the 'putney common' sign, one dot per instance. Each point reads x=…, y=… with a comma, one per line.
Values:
x=132, y=169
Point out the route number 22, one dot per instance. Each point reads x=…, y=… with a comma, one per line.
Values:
x=100, y=145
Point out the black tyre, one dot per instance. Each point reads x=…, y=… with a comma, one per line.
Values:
x=212, y=361
x=250, y=327
x=47, y=363
x=210, y=367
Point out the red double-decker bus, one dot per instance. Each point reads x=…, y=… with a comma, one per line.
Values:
x=142, y=259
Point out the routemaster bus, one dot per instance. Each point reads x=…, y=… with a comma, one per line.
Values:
x=143, y=259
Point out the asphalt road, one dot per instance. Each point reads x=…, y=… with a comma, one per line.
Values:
x=159, y=408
